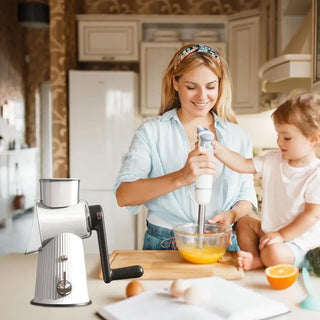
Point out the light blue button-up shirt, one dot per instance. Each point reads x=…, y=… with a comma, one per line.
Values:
x=160, y=146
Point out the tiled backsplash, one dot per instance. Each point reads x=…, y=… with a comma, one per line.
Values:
x=264, y=138
x=261, y=129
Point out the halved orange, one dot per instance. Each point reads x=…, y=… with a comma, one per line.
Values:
x=281, y=276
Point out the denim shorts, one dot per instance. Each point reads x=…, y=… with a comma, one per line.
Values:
x=159, y=238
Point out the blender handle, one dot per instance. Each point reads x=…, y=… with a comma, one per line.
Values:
x=97, y=224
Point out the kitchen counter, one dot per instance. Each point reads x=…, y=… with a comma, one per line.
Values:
x=18, y=272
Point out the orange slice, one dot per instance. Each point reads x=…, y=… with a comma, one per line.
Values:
x=281, y=276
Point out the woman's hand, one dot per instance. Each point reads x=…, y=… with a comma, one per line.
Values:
x=225, y=217
x=199, y=162
x=270, y=238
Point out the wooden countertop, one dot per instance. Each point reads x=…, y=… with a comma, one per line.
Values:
x=18, y=272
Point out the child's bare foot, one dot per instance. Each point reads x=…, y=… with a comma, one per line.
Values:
x=247, y=261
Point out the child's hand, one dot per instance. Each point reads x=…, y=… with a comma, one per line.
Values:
x=226, y=217
x=269, y=238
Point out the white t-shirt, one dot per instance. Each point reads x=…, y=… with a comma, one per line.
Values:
x=286, y=189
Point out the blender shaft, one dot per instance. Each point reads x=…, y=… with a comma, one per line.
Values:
x=201, y=218
x=201, y=222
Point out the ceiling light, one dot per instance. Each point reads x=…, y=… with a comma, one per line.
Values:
x=33, y=14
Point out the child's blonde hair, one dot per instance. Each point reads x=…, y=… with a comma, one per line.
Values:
x=301, y=110
x=187, y=58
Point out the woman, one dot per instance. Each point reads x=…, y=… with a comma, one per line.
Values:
x=163, y=161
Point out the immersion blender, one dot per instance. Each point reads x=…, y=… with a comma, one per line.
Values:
x=204, y=182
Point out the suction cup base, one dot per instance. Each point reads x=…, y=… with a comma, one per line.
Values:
x=310, y=303
x=54, y=304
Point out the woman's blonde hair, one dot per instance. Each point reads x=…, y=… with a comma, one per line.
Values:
x=182, y=63
x=301, y=110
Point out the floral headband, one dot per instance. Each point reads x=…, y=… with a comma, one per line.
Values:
x=197, y=48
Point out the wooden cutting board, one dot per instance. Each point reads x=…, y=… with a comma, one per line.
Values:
x=169, y=265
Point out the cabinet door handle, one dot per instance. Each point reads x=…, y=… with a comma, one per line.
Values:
x=107, y=58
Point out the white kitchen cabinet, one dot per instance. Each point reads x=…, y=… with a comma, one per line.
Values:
x=154, y=59
x=316, y=47
x=105, y=37
x=268, y=30
x=107, y=40
x=27, y=179
x=27, y=176
x=244, y=52
x=4, y=204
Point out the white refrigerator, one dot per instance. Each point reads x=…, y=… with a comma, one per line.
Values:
x=102, y=106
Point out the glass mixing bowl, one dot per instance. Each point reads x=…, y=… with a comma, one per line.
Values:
x=205, y=248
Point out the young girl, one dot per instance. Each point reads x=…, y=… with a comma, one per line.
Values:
x=290, y=218
x=163, y=161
